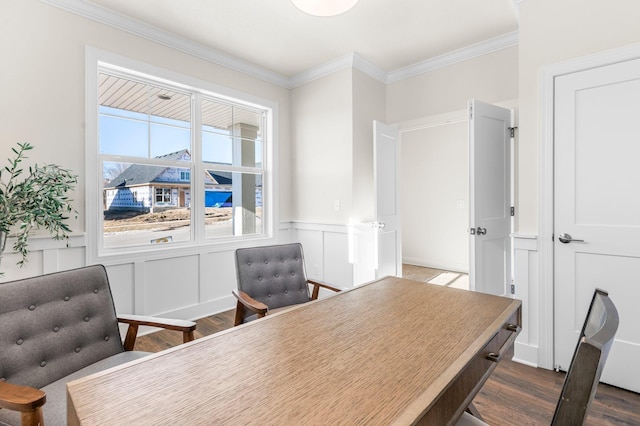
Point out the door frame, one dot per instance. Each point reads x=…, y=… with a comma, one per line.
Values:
x=546, y=186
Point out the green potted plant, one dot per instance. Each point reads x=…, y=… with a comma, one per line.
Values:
x=33, y=200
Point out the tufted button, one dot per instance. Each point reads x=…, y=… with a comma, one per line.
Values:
x=277, y=275
x=95, y=290
x=32, y=307
x=86, y=319
x=2, y=379
x=259, y=278
x=268, y=294
x=77, y=350
x=282, y=260
x=248, y=263
x=106, y=338
x=19, y=342
x=43, y=363
x=266, y=262
x=286, y=292
x=56, y=329
x=66, y=298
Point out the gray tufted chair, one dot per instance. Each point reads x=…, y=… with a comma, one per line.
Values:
x=271, y=278
x=56, y=328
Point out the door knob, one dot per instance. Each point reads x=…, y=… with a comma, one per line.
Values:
x=481, y=231
x=566, y=239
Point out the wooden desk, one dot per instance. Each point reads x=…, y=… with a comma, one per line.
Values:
x=394, y=351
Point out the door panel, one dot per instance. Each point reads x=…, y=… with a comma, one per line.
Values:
x=596, y=181
x=489, y=198
x=386, y=228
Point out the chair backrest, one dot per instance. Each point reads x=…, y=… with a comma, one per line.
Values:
x=274, y=275
x=588, y=361
x=55, y=324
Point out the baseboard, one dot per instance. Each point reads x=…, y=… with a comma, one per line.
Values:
x=526, y=354
x=436, y=265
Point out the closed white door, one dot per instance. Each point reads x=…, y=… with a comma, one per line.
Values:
x=386, y=227
x=489, y=198
x=597, y=210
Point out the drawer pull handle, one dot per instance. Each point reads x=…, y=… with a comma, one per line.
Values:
x=515, y=330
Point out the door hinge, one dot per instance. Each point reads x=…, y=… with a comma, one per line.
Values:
x=470, y=111
x=513, y=289
x=513, y=211
x=512, y=131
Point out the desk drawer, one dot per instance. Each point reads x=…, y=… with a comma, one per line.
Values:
x=463, y=389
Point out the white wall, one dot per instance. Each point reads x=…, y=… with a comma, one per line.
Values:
x=369, y=97
x=435, y=197
x=491, y=78
x=322, y=134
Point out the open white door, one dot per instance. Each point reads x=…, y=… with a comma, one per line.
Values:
x=489, y=198
x=387, y=235
x=597, y=210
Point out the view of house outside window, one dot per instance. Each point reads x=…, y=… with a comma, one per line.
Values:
x=151, y=151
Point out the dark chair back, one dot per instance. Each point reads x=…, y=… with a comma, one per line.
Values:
x=53, y=325
x=274, y=275
x=588, y=361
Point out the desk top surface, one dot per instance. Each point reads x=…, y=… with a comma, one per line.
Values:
x=381, y=353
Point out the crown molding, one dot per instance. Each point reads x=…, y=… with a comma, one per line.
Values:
x=149, y=32
x=350, y=60
x=354, y=60
x=466, y=53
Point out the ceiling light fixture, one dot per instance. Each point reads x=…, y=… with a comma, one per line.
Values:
x=324, y=7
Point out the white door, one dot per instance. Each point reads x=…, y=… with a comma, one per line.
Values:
x=387, y=235
x=597, y=204
x=489, y=198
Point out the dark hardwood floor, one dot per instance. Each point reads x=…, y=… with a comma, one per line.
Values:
x=515, y=394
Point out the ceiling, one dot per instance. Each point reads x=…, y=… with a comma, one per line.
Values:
x=276, y=36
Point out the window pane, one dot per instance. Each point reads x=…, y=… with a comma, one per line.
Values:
x=246, y=117
x=217, y=116
x=231, y=134
x=216, y=148
x=123, y=133
x=142, y=120
x=233, y=204
x=145, y=205
x=167, y=139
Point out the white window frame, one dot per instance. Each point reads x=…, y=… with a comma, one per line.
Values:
x=96, y=59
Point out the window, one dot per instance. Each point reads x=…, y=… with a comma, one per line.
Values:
x=154, y=137
x=163, y=195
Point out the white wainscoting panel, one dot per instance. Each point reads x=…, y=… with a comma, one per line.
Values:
x=191, y=286
x=312, y=241
x=337, y=269
x=170, y=284
x=121, y=280
x=526, y=281
x=218, y=276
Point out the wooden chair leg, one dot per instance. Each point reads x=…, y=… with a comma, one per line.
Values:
x=239, y=319
x=130, y=340
x=32, y=418
x=187, y=336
